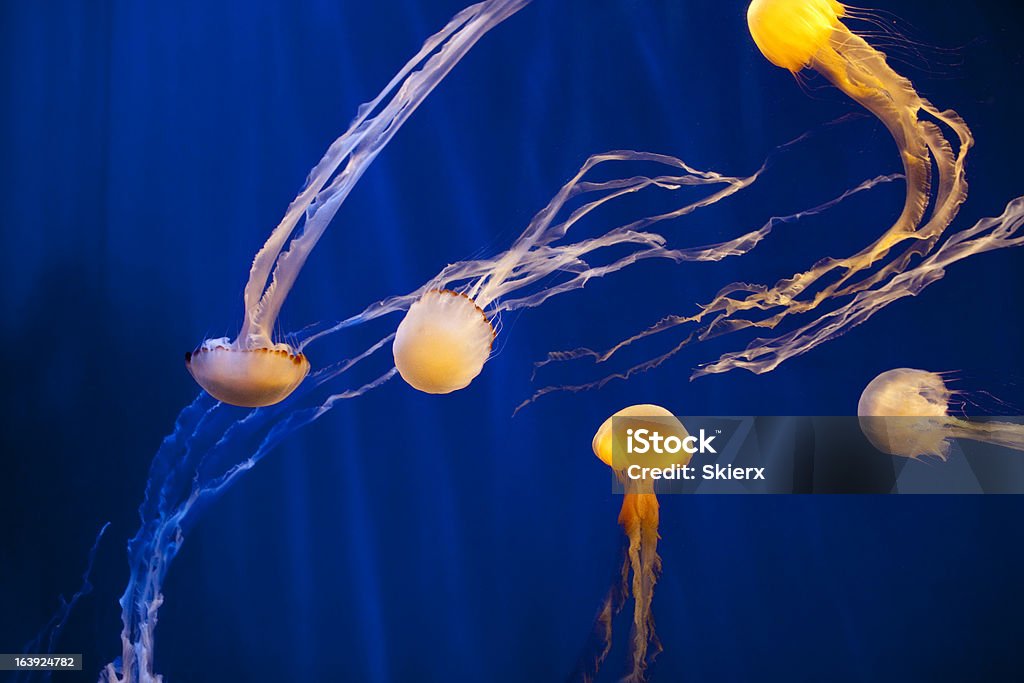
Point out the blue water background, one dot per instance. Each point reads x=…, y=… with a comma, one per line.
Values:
x=148, y=148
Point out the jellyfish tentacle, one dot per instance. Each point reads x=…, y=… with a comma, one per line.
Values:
x=541, y=232
x=1006, y=434
x=860, y=71
x=338, y=151
x=799, y=34
x=639, y=519
x=737, y=246
x=763, y=355
x=601, y=640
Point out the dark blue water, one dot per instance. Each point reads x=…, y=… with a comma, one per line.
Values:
x=148, y=149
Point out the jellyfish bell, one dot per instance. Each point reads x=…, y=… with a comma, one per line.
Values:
x=789, y=33
x=443, y=342
x=610, y=441
x=247, y=377
x=906, y=392
x=904, y=412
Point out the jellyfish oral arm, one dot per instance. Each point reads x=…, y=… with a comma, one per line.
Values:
x=763, y=355
x=1005, y=434
x=356, y=149
x=542, y=231
x=185, y=477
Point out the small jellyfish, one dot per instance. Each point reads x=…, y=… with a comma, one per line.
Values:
x=906, y=412
x=442, y=343
x=247, y=376
x=639, y=519
x=446, y=336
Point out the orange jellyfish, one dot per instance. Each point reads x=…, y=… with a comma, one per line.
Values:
x=639, y=519
x=840, y=293
x=906, y=412
x=810, y=34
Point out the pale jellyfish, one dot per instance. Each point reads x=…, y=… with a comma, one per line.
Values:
x=906, y=412
x=443, y=342
x=451, y=322
x=810, y=34
x=450, y=325
x=639, y=519
x=253, y=370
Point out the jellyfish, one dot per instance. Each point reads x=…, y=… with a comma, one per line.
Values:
x=838, y=293
x=442, y=342
x=906, y=412
x=253, y=370
x=451, y=322
x=639, y=520
x=210, y=448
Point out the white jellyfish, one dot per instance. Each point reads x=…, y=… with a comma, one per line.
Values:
x=252, y=370
x=446, y=337
x=443, y=342
x=906, y=412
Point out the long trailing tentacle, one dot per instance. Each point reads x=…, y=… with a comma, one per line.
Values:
x=863, y=282
x=639, y=519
